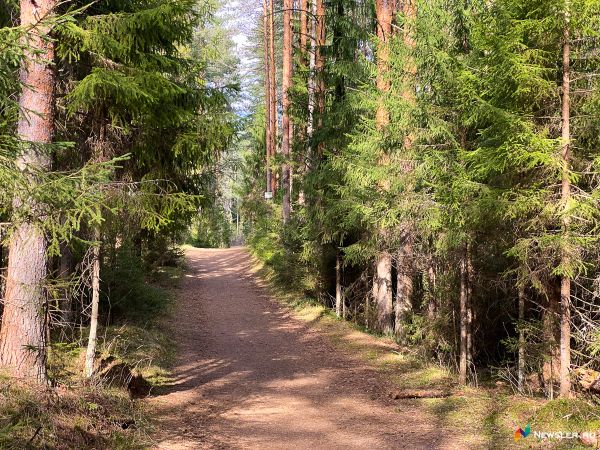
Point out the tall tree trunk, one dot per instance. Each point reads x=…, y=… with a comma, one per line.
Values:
x=22, y=337
x=432, y=305
x=268, y=131
x=565, y=283
x=320, y=67
x=90, y=354
x=368, y=309
x=303, y=131
x=2, y=263
x=521, y=349
x=286, y=126
x=383, y=278
x=383, y=293
x=463, y=310
x=339, y=300
x=273, y=87
x=470, y=282
x=405, y=267
x=312, y=82
x=383, y=11
x=303, y=38
x=404, y=287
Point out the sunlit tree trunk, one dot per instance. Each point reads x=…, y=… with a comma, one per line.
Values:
x=404, y=287
x=521, y=348
x=303, y=33
x=339, y=299
x=320, y=67
x=312, y=84
x=405, y=266
x=303, y=38
x=432, y=304
x=22, y=337
x=463, y=310
x=268, y=133
x=383, y=278
x=90, y=354
x=383, y=292
x=383, y=11
x=273, y=88
x=565, y=284
x=286, y=126
x=470, y=283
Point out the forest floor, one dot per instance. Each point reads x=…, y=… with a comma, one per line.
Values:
x=253, y=372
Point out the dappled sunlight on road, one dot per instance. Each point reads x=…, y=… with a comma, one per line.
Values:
x=250, y=376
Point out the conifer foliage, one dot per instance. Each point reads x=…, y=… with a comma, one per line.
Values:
x=445, y=182
x=429, y=169
x=108, y=142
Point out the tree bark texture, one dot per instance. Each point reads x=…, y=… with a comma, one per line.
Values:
x=22, y=336
x=286, y=125
x=383, y=293
x=273, y=89
x=268, y=131
x=339, y=299
x=404, y=286
x=90, y=354
x=521, y=348
x=320, y=31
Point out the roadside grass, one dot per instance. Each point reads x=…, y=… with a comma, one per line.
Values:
x=69, y=418
x=487, y=416
x=77, y=414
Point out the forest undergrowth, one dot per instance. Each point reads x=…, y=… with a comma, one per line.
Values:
x=490, y=411
x=74, y=412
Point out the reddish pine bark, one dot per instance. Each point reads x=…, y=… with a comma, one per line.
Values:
x=286, y=126
x=303, y=31
x=268, y=130
x=382, y=288
x=22, y=343
x=273, y=89
x=383, y=11
x=320, y=67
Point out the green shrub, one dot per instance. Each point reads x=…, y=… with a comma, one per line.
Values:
x=127, y=294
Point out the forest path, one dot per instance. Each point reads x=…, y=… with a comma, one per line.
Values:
x=250, y=376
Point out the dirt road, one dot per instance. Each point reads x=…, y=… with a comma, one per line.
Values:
x=250, y=376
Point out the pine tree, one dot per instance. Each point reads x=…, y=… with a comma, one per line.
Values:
x=451, y=144
x=286, y=127
x=22, y=335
